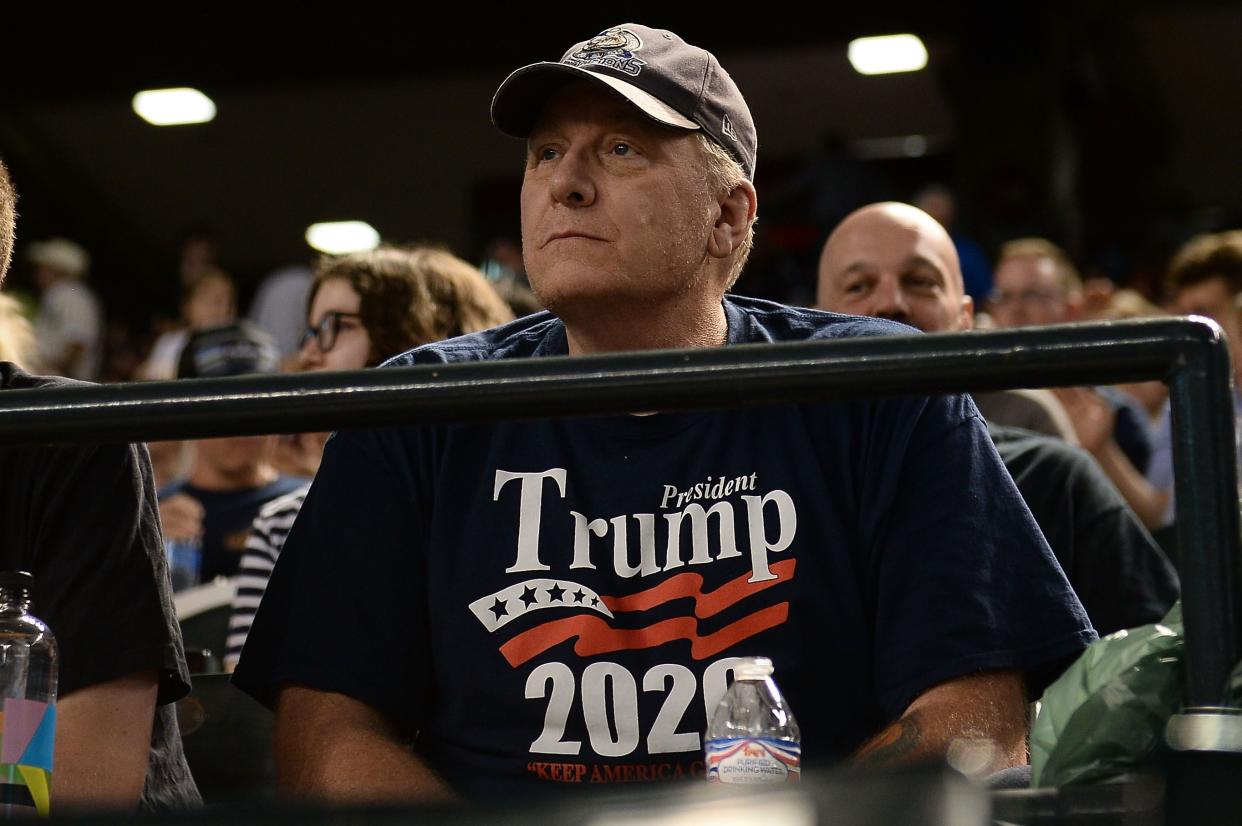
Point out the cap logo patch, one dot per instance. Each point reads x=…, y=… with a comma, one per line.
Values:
x=613, y=49
x=726, y=126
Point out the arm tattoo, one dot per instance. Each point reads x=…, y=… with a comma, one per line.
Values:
x=895, y=744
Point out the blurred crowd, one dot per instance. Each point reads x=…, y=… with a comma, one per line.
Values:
x=302, y=318
x=1092, y=464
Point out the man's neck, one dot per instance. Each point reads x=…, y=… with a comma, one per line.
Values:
x=642, y=329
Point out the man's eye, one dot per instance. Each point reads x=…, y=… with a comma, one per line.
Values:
x=622, y=149
x=542, y=154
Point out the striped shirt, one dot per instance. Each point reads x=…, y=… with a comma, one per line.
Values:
x=263, y=545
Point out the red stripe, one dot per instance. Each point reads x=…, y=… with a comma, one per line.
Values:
x=691, y=585
x=595, y=636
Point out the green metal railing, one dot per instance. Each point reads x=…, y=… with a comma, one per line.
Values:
x=1189, y=354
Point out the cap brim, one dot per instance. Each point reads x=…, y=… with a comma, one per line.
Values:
x=521, y=98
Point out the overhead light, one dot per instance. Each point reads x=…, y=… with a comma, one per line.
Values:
x=341, y=237
x=888, y=54
x=897, y=146
x=915, y=146
x=174, y=107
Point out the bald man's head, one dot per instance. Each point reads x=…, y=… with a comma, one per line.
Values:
x=895, y=261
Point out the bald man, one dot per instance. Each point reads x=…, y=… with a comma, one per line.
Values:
x=895, y=261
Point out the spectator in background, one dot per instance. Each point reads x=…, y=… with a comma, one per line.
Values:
x=230, y=478
x=210, y=301
x=1150, y=395
x=363, y=308
x=890, y=255
x=937, y=201
x=911, y=297
x=69, y=326
x=1036, y=284
x=198, y=254
x=279, y=307
x=82, y=519
x=1205, y=278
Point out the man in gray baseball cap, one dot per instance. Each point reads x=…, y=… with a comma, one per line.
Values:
x=487, y=609
x=667, y=79
x=638, y=197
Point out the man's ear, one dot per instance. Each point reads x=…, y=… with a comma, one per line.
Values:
x=737, y=214
x=968, y=313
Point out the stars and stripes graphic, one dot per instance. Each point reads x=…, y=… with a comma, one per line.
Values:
x=593, y=634
x=499, y=609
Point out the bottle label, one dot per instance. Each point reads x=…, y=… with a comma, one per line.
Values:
x=753, y=760
x=28, y=730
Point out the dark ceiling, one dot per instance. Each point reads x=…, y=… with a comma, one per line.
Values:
x=224, y=52
x=383, y=116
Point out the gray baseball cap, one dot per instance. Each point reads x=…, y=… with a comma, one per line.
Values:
x=666, y=78
x=230, y=350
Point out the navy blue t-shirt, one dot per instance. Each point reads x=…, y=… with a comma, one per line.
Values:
x=563, y=600
x=227, y=517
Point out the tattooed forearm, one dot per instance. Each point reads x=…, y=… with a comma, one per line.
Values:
x=988, y=706
x=896, y=744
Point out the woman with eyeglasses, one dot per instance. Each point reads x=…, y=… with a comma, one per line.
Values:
x=363, y=309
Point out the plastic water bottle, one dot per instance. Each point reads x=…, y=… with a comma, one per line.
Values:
x=27, y=701
x=752, y=737
x=185, y=561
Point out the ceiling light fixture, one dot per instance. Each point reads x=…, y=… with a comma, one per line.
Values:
x=341, y=237
x=174, y=107
x=887, y=54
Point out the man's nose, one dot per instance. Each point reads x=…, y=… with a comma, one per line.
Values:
x=573, y=180
x=890, y=302
x=1012, y=314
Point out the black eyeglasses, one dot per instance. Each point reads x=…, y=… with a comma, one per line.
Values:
x=325, y=332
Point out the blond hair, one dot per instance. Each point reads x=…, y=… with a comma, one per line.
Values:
x=724, y=174
x=1067, y=274
x=8, y=219
x=16, y=334
x=1127, y=303
x=1212, y=255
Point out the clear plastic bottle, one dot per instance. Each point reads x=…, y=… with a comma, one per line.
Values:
x=752, y=738
x=27, y=701
x=185, y=561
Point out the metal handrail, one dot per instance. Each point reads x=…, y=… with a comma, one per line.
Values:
x=1190, y=354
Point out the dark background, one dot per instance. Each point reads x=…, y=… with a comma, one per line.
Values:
x=1111, y=128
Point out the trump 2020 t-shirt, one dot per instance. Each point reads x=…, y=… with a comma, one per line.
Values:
x=563, y=601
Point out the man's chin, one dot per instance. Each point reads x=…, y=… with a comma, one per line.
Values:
x=572, y=293
x=579, y=305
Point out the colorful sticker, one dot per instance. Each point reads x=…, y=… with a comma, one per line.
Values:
x=37, y=781
x=27, y=739
x=29, y=726
x=753, y=761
